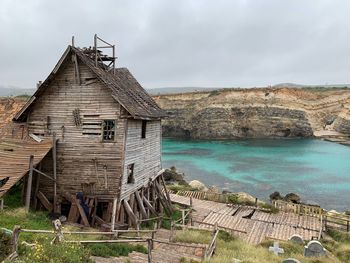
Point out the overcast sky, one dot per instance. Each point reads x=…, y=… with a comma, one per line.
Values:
x=182, y=42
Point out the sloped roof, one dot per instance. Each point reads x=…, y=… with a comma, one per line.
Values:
x=125, y=88
x=14, y=159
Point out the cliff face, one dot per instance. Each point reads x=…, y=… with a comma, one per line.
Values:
x=254, y=113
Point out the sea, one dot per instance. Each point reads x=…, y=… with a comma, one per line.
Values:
x=318, y=171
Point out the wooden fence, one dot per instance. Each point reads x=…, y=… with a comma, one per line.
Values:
x=340, y=223
x=59, y=237
x=312, y=210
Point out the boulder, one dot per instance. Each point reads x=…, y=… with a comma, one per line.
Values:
x=242, y=196
x=213, y=189
x=198, y=185
x=171, y=175
x=292, y=197
x=276, y=196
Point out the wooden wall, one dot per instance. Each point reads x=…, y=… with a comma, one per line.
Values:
x=83, y=159
x=144, y=153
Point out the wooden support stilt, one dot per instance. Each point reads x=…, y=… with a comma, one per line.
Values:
x=166, y=193
x=54, y=161
x=130, y=213
x=37, y=183
x=131, y=204
x=84, y=219
x=162, y=199
x=1, y=204
x=29, y=183
x=122, y=214
x=150, y=207
x=114, y=211
x=44, y=201
x=140, y=204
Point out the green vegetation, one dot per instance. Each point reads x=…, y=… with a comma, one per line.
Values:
x=115, y=250
x=42, y=250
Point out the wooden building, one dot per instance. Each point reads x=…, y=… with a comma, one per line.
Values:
x=106, y=142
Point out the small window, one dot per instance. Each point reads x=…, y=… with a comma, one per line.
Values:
x=108, y=130
x=130, y=173
x=143, y=129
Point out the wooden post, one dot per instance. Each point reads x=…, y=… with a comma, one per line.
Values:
x=37, y=184
x=29, y=183
x=14, y=240
x=166, y=193
x=114, y=211
x=149, y=243
x=140, y=204
x=347, y=226
x=183, y=216
x=130, y=213
x=1, y=204
x=54, y=160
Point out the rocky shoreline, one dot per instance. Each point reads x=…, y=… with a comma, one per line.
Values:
x=176, y=181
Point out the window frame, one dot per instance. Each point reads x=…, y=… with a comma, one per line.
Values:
x=110, y=130
x=143, y=129
x=130, y=178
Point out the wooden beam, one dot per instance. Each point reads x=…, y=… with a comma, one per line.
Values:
x=45, y=202
x=82, y=213
x=54, y=161
x=73, y=213
x=162, y=199
x=140, y=204
x=167, y=193
x=130, y=213
x=37, y=183
x=29, y=183
x=150, y=207
x=114, y=211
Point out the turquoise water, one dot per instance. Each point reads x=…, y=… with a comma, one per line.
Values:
x=318, y=171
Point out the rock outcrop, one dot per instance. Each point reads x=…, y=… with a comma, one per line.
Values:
x=256, y=113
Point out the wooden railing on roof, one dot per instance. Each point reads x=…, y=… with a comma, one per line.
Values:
x=216, y=197
x=337, y=222
x=311, y=210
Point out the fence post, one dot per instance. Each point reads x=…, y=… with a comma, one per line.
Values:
x=183, y=216
x=347, y=226
x=58, y=229
x=149, y=244
x=14, y=241
x=171, y=231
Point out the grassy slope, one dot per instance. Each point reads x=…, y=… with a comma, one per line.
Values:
x=229, y=248
x=43, y=251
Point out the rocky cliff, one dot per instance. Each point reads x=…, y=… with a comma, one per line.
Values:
x=257, y=113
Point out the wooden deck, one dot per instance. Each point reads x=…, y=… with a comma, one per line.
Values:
x=250, y=223
x=14, y=159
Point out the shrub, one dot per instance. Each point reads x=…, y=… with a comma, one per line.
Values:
x=5, y=245
x=60, y=253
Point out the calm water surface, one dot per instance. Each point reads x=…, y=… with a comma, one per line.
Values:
x=318, y=171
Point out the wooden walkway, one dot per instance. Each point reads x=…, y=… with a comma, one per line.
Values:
x=250, y=223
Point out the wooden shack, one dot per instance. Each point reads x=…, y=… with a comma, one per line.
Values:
x=106, y=142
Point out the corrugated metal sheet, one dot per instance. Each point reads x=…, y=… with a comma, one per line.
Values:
x=14, y=159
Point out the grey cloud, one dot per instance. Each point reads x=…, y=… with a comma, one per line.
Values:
x=184, y=43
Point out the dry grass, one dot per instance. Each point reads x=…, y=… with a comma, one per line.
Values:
x=229, y=248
